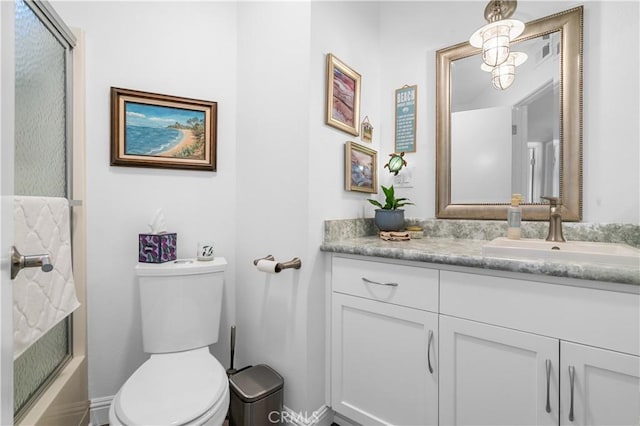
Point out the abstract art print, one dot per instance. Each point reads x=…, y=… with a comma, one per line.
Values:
x=360, y=165
x=153, y=130
x=343, y=96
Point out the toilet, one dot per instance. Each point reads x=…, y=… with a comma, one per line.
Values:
x=181, y=383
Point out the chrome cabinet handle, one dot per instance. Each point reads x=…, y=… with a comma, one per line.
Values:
x=430, y=339
x=19, y=261
x=548, y=364
x=572, y=374
x=368, y=281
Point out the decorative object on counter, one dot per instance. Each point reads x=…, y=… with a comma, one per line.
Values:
x=390, y=217
x=395, y=236
x=514, y=217
x=269, y=265
x=205, y=251
x=158, y=246
x=343, y=96
x=406, y=101
x=360, y=168
x=389, y=220
x=186, y=139
x=396, y=163
x=415, y=232
x=367, y=130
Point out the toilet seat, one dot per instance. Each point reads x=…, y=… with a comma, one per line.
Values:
x=172, y=389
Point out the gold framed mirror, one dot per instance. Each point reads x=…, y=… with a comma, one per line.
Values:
x=475, y=175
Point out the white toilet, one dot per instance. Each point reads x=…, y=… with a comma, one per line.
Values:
x=182, y=383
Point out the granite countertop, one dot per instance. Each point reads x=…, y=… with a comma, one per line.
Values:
x=468, y=252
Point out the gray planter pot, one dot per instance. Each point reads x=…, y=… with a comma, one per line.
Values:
x=389, y=220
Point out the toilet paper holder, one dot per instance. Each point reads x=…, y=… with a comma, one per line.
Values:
x=294, y=263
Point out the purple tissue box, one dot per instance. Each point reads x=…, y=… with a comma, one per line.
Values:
x=156, y=248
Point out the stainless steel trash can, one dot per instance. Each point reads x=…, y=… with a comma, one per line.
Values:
x=256, y=397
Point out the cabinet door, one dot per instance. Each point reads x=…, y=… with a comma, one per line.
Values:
x=606, y=386
x=496, y=376
x=380, y=362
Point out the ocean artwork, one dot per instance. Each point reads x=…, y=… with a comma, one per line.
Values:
x=160, y=131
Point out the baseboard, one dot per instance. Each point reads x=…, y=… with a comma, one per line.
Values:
x=343, y=421
x=99, y=410
x=323, y=416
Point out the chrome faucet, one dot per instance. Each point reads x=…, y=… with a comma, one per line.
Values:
x=555, y=220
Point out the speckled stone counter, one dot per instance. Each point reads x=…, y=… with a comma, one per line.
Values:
x=460, y=243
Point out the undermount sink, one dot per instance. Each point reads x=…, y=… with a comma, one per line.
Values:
x=576, y=251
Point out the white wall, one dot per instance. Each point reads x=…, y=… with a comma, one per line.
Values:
x=350, y=31
x=165, y=48
x=272, y=182
x=481, y=170
x=280, y=168
x=291, y=176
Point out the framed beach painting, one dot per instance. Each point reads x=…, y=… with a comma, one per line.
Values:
x=360, y=165
x=343, y=96
x=153, y=130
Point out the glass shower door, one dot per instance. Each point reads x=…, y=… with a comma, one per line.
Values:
x=42, y=168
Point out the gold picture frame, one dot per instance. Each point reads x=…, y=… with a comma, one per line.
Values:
x=162, y=131
x=343, y=96
x=360, y=168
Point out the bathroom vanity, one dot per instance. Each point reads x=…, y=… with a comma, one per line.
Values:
x=431, y=332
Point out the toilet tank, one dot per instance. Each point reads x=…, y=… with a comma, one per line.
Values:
x=181, y=303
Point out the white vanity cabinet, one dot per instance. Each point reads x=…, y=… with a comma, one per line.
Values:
x=496, y=376
x=384, y=343
x=456, y=346
x=508, y=353
x=606, y=386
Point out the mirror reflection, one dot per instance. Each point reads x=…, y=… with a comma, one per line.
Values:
x=507, y=139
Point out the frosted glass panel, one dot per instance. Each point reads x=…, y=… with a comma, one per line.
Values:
x=40, y=153
x=37, y=363
x=40, y=167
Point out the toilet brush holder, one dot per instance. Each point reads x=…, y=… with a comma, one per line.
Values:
x=231, y=370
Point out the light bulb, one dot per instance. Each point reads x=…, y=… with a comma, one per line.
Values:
x=503, y=76
x=494, y=39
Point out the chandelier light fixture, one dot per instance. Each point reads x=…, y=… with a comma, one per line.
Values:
x=495, y=37
x=503, y=75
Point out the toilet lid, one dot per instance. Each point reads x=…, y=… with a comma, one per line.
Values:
x=171, y=389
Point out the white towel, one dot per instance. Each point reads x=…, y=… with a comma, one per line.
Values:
x=42, y=299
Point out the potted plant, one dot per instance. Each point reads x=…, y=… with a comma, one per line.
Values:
x=390, y=217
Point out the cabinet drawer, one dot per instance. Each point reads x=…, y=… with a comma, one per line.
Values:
x=600, y=318
x=416, y=287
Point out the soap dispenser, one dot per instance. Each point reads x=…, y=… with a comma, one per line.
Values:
x=514, y=217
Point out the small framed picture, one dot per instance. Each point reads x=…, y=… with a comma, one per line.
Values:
x=343, y=96
x=153, y=130
x=367, y=130
x=360, y=168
